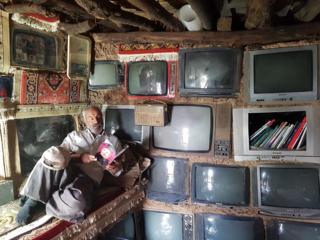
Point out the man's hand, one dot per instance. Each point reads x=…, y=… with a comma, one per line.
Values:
x=87, y=158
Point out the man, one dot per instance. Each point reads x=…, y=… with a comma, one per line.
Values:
x=67, y=191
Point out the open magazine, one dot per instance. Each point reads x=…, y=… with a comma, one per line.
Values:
x=106, y=154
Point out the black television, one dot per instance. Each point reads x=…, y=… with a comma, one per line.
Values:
x=123, y=230
x=169, y=226
x=289, y=230
x=211, y=72
x=190, y=129
x=6, y=86
x=223, y=185
x=287, y=190
x=119, y=121
x=35, y=135
x=169, y=180
x=106, y=74
x=221, y=227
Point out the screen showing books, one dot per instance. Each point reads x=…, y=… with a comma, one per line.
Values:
x=6, y=83
x=286, y=230
x=211, y=71
x=35, y=135
x=124, y=230
x=219, y=227
x=289, y=187
x=148, y=78
x=189, y=129
x=169, y=180
x=105, y=75
x=220, y=184
x=278, y=131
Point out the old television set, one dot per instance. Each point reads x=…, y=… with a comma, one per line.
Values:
x=284, y=74
x=285, y=133
x=190, y=129
x=289, y=230
x=211, y=72
x=222, y=185
x=119, y=120
x=166, y=225
x=106, y=74
x=6, y=87
x=287, y=190
x=218, y=227
x=123, y=230
x=169, y=180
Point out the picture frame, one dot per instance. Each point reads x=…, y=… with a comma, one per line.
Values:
x=35, y=49
x=79, y=57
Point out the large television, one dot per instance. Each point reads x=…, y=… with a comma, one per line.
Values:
x=212, y=72
x=284, y=74
x=277, y=133
x=190, y=129
x=223, y=185
x=169, y=180
x=289, y=230
x=119, y=121
x=123, y=230
x=222, y=227
x=287, y=190
x=169, y=226
x=106, y=74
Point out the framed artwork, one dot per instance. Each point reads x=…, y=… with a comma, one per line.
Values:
x=35, y=49
x=79, y=57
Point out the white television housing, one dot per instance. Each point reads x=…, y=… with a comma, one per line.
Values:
x=242, y=151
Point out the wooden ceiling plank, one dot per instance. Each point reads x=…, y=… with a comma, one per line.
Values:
x=259, y=14
x=92, y=7
x=159, y=13
x=27, y=8
x=77, y=28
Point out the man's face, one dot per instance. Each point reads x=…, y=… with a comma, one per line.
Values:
x=93, y=120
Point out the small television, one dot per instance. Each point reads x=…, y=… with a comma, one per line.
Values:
x=169, y=226
x=6, y=86
x=289, y=230
x=222, y=185
x=284, y=74
x=124, y=230
x=222, y=227
x=287, y=190
x=190, y=129
x=106, y=74
x=276, y=133
x=119, y=121
x=169, y=180
x=211, y=72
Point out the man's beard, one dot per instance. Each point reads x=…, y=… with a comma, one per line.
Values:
x=96, y=128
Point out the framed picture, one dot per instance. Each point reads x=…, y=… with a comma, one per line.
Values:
x=79, y=57
x=35, y=49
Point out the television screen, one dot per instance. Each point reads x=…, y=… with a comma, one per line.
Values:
x=169, y=226
x=189, y=129
x=169, y=180
x=105, y=75
x=148, y=78
x=211, y=72
x=124, y=230
x=35, y=135
x=218, y=227
x=6, y=83
x=284, y=74
x=220, y=184
x=289, y=187
x=119, y=120
x=286, y=230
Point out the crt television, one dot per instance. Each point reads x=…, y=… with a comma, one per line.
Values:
x=287, y=190
x=212, y=72
x=220, y=184
x=222, y=227
x=246, y=121
x=119, y=121
x=284, y=74
x=289, y=230
x=169, y=180
x=6, y=86
x=169, y=226
x=190, y=129
x=106, y=74
x=124, y=230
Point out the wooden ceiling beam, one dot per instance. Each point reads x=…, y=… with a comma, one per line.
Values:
x=231, y=39
x=27, y=8
x=258, y=14
x=159, y=13
x=77, y=28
